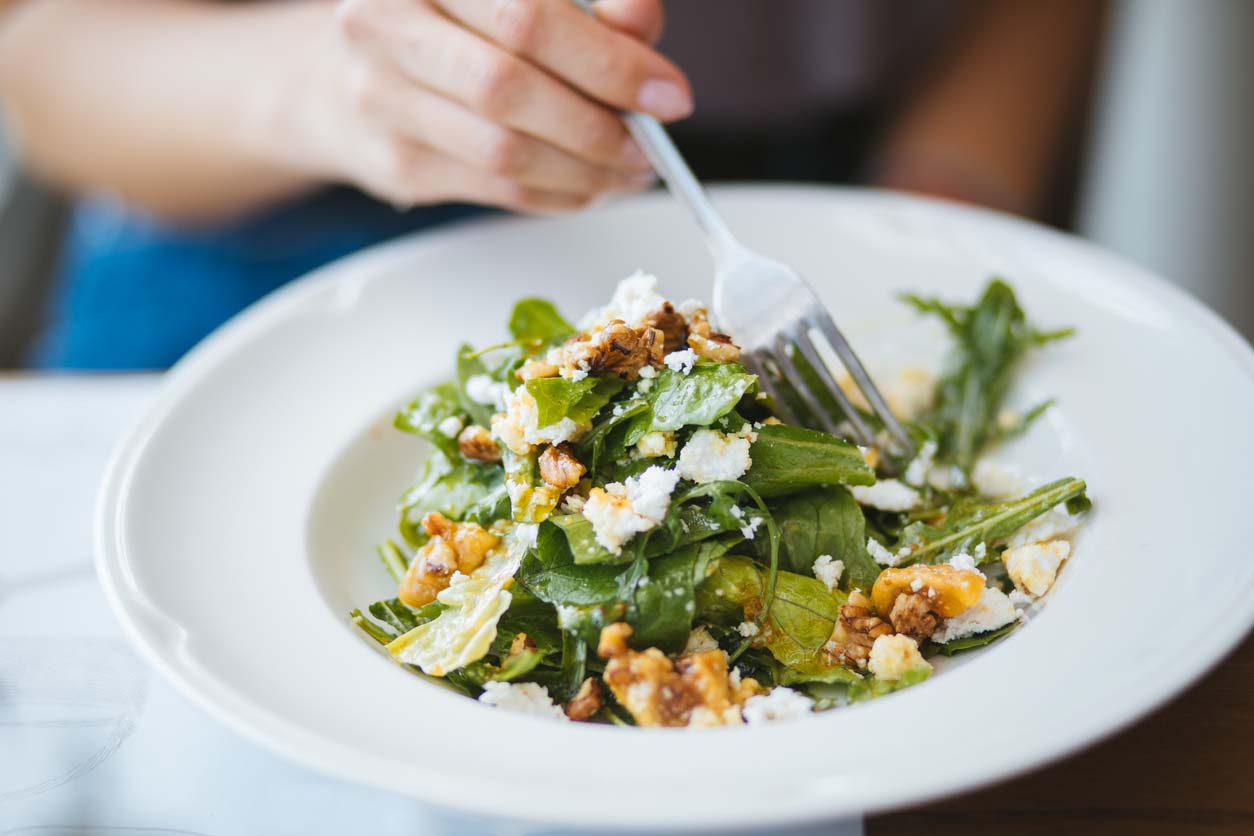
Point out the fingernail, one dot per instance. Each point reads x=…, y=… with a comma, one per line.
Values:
x=641, y=180
x=664, y=99
x=632, y=154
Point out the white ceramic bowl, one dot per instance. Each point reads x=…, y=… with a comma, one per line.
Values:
x=236, y=523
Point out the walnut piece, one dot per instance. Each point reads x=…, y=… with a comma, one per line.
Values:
x=915, y=615
x=476, y=442
x=453, y=547
x=535, y=369
x=672, y=325
x=559, y=467
x=856, y=631
x=708, y=343
x=587, y=701
x=658, y=691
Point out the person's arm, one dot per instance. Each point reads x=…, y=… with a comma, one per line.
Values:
x=990, y=122
x=199, y=110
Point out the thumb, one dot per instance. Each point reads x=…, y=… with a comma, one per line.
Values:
x=643, y=19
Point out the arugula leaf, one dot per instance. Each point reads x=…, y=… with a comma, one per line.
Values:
x=980, y=640
x=698, y=398
x=549, y=571
x=423, y=415
x=800, y=621
x=870, y=687
x=583, y=542
x=790, y=459
x=607, y=439
x=393, y=559
x=460, y=490
x=470, y=365
x=971, y=522
x=991, y=337
x=579, y=400
x=374, y=631
x=537, y=320
x=816, y=672
x=824, y=520
x=664, y=603
x=528, y=614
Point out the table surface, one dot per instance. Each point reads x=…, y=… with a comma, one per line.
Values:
x=105, y=746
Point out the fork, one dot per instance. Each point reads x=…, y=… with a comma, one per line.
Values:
x=768, y=307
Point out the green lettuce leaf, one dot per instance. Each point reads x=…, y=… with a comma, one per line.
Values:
x=824, y=520
x=538, y=320
x=471, y=365
x=665, y=599
x=870, y=687
x=790, y=459
x=696, y=399
x=460, y=490
x=423, y=415
x=578, y=400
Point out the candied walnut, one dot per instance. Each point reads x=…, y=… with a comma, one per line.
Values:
x=914, y=615
x=613, y=641
x=952, y=590
x=476, y=442
x=535, y=369
x=672, y=325
x=453, y=547
x=560, y=468
x=587, y=701
x=623, y=350
x=708, y=343
x=856, y=631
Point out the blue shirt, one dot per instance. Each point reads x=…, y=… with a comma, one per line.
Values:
x=135, y=293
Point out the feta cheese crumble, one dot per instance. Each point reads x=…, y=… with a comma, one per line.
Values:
x=521, y=697
x=1034, y=567
x=451, y=426
x=526, y=534
x=893, y=656
x=1053, y=523
x=748, y=629
x=681, y=361
x=713, y=456
x=919, y=468
x=881, y=555
x=624, y=509
x=887, y=495
x=996, y=480
x=483, y=389
x=634, y=299
x=828, y=570
x=963, y=562
x=657, y=444
x=780, y=704
x=516, y=426
x=991, y=611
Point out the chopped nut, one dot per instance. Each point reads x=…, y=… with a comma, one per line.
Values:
x=613, y=640
x=534, y=369
x=560, y=468
x=914, y=615
x=453, y=547
x=476, y=442
x=661, y=692
x=623, y=350
x=708, y=343
x=587, y=701
x=520, y=643
x=672, y=325
x=954, y=590
x=856, y=631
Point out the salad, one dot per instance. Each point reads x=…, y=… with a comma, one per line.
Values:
x=613, y=525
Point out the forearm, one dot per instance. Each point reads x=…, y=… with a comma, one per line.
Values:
x=990, y=124
x=177, y=106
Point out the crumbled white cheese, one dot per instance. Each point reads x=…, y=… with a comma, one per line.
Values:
x=829, y=570
x=526, y=534
x=895, y=655
x=996, y=480
x=981, y=551
x=644, y=385
x=992, y=610
x=624, y=509
x=690, y=308
x=656, y=444
x=713, y=456
x=451, y=426
x=681, y=361
x=573, y=503
x=748, y=629
x=916, y=584
x=921, y=465
x=1034, y=567
x=634, y=299
x=578, y=374
x=522, y=697
x=733, y=678
x=880, y=554
x=963, y=562
x=1020, y=600
x=780, y=704
x=483, y=389
x=1053, y=523
x=947, y=478
x=910, y=392
x=699, y=640
x=887, y=495
x=516, y=426
x=750, y=528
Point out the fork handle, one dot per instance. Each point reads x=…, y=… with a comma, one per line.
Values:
x=678, y=177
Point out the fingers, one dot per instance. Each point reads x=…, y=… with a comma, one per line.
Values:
x=503, y=88
x=610, y=66
x=387, y=98
x=642, y=19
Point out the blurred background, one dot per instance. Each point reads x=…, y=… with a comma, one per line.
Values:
x=1161, y=169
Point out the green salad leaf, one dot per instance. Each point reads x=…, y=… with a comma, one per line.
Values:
x=460, y=490
x=790, y=459
x=471, y=365
x=424, y=414
x=578, y=400
x=824, y=520
x=871, y=687
x=696, y=399
x=538, y=320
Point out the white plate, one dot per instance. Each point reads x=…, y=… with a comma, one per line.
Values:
x=236, y=523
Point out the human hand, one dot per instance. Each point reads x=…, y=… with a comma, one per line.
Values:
x=510, y=103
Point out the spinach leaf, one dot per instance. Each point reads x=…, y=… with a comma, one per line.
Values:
x=816, y=672
x=790, y=459
x=607, y=440
x=550, y=573
x=574, y=666
x=980, y=640
x=991, y=337
x=583, y=542
x=824, y=520
x=578, y=400
x=460, y=490
x=537, y=320
x=470, y=365
x=423, y=415
x=698, y=398
x=800, y=621
x=971, y=522
x=374, y=631
x=870, y=687
x=664, y=602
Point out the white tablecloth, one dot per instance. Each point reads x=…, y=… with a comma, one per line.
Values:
x=91, y=740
